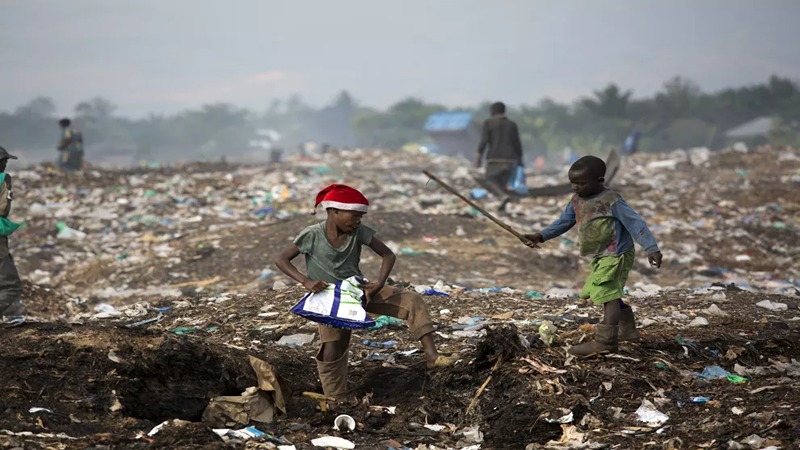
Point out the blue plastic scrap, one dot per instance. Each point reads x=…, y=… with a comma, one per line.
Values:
x=432, y=291
x=712, y=373
x=264, y=211
x=478, y=193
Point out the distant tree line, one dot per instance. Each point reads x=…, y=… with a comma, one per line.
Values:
x=680, y=115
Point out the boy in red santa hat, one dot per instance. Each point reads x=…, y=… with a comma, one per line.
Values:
x=333, y=252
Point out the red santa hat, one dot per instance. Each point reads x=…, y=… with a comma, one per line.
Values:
x=340, y=196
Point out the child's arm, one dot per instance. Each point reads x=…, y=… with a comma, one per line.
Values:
x=637, y=227
x=387, y=263
x=284, y=263
x=557, y=228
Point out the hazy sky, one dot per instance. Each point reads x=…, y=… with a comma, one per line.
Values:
x=167, y=55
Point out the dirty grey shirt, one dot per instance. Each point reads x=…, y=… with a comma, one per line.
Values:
x=501, y=135
x=327, y=263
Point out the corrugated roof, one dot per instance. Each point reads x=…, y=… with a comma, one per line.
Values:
x=755, y=127
x=449, y=121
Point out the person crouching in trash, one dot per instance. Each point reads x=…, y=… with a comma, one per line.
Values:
x=332, y=251
x=10, y=284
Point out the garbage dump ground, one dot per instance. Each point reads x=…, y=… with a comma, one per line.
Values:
x=150, y=290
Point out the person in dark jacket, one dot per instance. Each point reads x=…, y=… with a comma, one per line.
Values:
x=501, y=135
x=10, y=284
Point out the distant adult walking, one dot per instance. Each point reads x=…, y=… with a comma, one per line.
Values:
x=631, y=144
x=70, y=146
x=10, y=284
x=501, y=135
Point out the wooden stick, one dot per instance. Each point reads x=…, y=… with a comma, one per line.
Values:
x=478, y=394
x=199, y=283
x=488, y=215
x=483, y=386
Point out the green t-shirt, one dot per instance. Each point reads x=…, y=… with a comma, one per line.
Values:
x=326, y=263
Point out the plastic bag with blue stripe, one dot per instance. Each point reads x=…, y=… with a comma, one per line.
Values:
x=340, y=305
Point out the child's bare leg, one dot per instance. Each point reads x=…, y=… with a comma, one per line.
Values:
x=611, y=312
x=409, y=306
x=429, y=347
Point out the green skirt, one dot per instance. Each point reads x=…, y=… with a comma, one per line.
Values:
x=608, y=277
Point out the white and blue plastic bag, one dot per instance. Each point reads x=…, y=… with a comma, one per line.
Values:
x=340, y=305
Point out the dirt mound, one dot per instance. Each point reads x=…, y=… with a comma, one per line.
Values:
x=109, y=385
x=43, y=301
x=105, y=380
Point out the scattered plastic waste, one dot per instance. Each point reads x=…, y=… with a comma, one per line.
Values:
x=772, y=306
x=296, y=340
x=571, y=438
x=332, y=441
x=472, y=434
x=104, y=310
x=148, y=321
x=547, y=332
x=184, y=330
x=244, y=433
x=343, y=422
x=408, y=251
x=386, y=321
x=714, y=310
x=563, y=415
x=69, y=234
x=36, y=409
x=490, y=289
x=699, y=322
x=435, y=292
x=648, y=413
x=174, y=422
x=264, y=211
x=736, y=379
x=478, y=193
x=266, y=273
x=713, y=372
x=376, y=344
